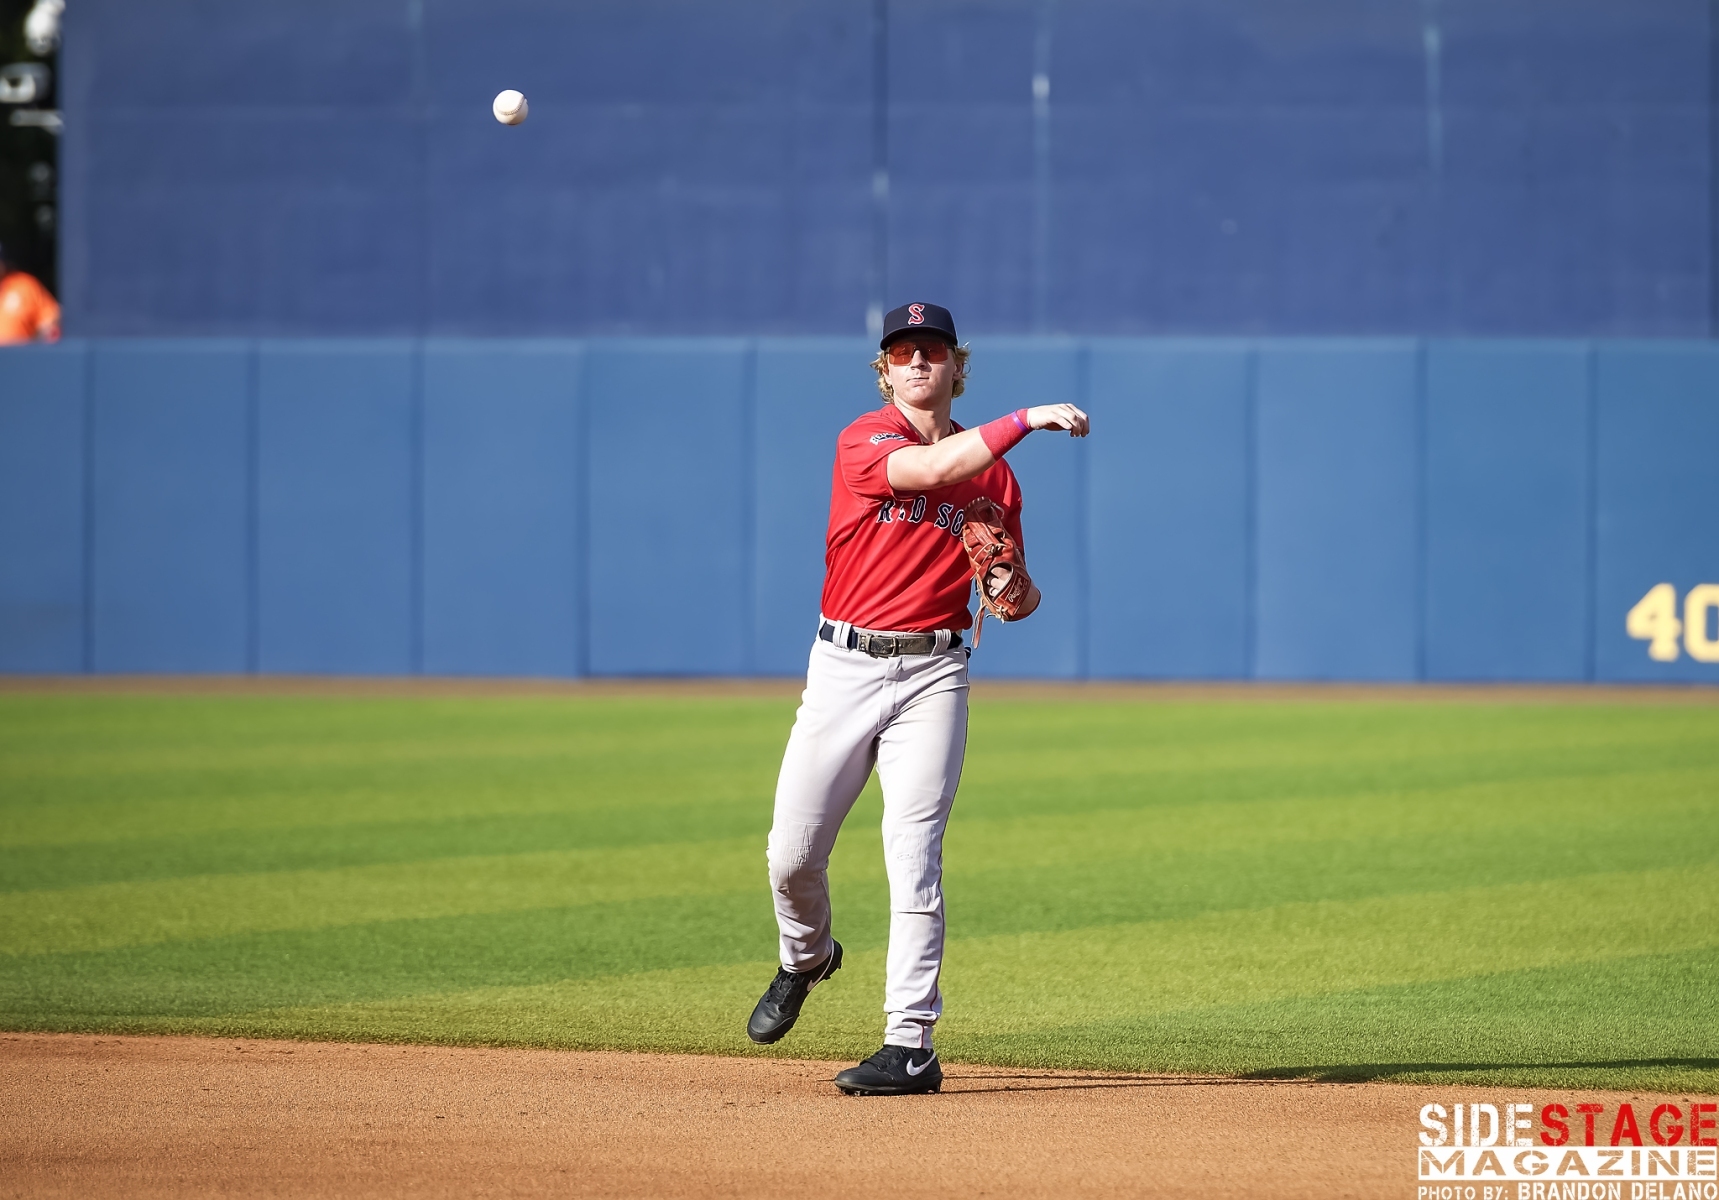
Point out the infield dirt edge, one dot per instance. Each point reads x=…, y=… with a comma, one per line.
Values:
x=206, y=1116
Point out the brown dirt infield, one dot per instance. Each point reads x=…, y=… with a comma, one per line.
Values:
x=197, y=1117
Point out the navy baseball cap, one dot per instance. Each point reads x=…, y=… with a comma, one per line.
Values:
x=918, y=318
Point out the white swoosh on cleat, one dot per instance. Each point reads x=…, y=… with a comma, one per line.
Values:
x=922, y=1066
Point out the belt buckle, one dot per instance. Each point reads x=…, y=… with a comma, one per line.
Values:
x=878, y=645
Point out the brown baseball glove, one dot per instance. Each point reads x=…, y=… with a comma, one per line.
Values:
x=1000, y=576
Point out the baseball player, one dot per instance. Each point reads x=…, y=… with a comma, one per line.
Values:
x=887, y=681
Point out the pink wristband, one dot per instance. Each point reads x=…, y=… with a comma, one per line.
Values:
x=1005, y=433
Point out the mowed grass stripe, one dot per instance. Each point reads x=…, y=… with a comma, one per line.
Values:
x=1638, y=1021
x=262, y=809
x=228, y=767
x=1124, y=865
x=1005, y=984
x=1117, y=997
x=102, y=769
x=1324, y=946
x=109, y=916
x=1598, y=810
x=1584, y=808
x=400, y=956
x=1024, y=753
x=131, y=987
x=238, y=852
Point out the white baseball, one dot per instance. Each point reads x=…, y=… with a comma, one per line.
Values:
x=510, y=107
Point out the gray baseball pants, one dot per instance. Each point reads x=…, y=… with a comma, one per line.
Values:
x=908, y=717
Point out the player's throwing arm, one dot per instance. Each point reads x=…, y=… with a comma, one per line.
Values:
x=922, y=514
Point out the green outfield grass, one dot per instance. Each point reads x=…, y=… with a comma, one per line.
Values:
x=1442, y=891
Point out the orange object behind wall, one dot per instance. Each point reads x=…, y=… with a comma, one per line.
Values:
x=28, y=311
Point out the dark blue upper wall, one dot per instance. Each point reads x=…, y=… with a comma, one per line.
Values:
x=1215, y=166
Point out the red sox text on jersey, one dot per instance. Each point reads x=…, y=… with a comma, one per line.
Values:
x=895, y=562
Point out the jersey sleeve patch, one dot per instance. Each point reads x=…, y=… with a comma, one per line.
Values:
x=862, y=457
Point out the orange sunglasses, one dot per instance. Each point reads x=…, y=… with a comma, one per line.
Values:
x=901, y=353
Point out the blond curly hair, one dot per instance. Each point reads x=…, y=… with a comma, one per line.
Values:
x=880, y=364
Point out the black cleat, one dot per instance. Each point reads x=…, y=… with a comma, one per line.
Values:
x=779, y=1007
x=893, y=1071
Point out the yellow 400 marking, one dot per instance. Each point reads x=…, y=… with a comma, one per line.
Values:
x=1654, y=621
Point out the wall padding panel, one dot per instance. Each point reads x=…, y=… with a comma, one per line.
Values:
x=170, y=447
x=1507, y=511
x=42, y=480
x=671, y=450
x=1169, y=513
x=1051, y=469
x=807, y=391
x=336, y=483
x=1336, y=512
x=502, y=489
x=1330, y=509
x=1658, y=502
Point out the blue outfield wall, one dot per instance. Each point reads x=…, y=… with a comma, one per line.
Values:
x=1306, y=509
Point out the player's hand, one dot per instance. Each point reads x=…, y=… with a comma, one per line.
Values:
x=1058, y=416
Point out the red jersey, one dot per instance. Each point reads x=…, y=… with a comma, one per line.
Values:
x=896, y=562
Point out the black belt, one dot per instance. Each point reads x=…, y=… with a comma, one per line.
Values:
x=888, y=645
